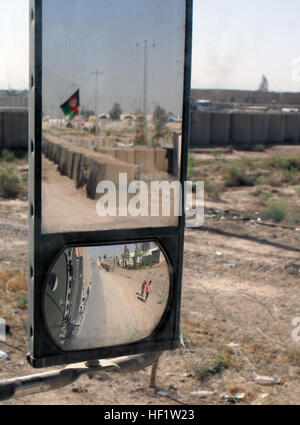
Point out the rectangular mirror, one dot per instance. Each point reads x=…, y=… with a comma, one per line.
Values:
x=109, y=120
x=111, y=106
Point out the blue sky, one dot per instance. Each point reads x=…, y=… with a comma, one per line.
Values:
x=234, y=43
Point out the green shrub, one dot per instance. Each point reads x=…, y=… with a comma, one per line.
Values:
x=192, y=167
x=141, y=141
x=259, y=147
x=22, y=301
x=287, y=176
x=236, y=176
x=7, y=156
x=286, y=163
x=262, y=180
x=275, y=211
x=211, y=190
x=246, y=161
x=203, y=371
x=217, y=154
x=264, y=196
x=9, y=184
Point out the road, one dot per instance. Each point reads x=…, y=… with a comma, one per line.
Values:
x=114, y=314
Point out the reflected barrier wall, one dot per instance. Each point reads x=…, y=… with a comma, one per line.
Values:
x=243, y=129
x=207, y=129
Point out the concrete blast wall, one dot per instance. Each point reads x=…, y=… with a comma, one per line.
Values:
x=243, y=129
x=259, y=128
x=13, y=129
x=201, y=125
x=292, y=128
x=87, y=168
x=161, y=159
x=277, y=128
x=220, y=128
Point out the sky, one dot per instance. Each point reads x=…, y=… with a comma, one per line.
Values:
x=234, y=43
x=78, y=40
x=112, y=250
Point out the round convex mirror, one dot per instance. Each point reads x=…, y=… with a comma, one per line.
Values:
x=106, y=295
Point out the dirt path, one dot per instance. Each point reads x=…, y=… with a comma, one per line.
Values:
x=115, y=313
x=240, y=296
x=67, y=209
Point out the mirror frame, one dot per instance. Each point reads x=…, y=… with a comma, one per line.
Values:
x=44, y=248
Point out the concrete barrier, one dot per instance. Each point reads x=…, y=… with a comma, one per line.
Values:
x=201, y=124
x=260, y=128
x=161, y=159
x=277, y=128
x=220, y=128
x=145, y=156
x=155, y=158
x=13, y=128
x=244, y=129
x=240, y=130
x=292, y=128
x=126, y=155
x=88, y=168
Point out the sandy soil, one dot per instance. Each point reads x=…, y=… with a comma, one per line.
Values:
x=240, y=295
x=67, y=209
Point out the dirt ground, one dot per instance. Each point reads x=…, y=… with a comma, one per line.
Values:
x=240, y=295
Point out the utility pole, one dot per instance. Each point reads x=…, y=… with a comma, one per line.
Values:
x=97, y=74
x=145, y=89
x=145, y=93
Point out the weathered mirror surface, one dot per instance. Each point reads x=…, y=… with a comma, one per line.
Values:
x=105, y=295
x=112, y=104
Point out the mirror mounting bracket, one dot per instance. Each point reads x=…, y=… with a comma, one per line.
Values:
x=47, y=381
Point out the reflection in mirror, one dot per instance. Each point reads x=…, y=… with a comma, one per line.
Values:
x=106, y=295
x=112, y=104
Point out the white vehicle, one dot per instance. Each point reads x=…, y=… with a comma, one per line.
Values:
x=203, y=105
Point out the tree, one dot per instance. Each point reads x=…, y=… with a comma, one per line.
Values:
x=115, y=112
x=145, y=247
x=137, y=254
x=264, y=85
x=159, y=120
x=125, y=256
x=86, y=113
x=139, y=131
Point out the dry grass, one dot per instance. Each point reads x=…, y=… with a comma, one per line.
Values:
x=13, y=281
x=292, y=355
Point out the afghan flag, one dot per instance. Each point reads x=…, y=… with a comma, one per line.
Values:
x=71, y=106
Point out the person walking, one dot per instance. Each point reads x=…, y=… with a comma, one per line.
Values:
x=148, y=290
x=143, y=287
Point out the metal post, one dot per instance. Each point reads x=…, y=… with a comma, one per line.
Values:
x=145, y=90
x=97, y=74
x=153, y=374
